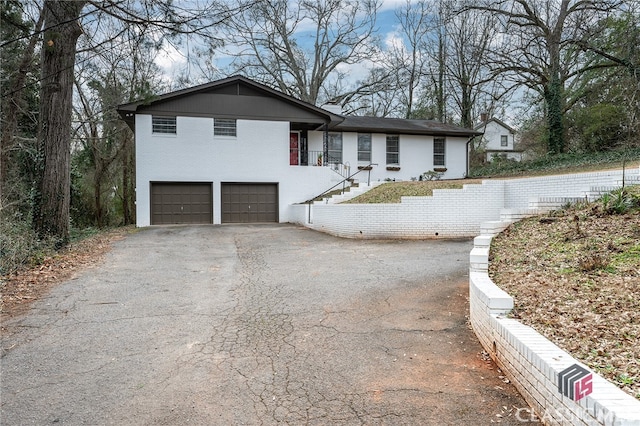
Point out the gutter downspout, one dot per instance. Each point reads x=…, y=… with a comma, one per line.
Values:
x=467, y=165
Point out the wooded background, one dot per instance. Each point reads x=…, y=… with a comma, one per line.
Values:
x=564, y=72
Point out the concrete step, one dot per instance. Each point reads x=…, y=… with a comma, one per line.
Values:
x=354, y=192
x=514, y=215
x=554, y=203
x=596, y=192
x=629, y=180
x=493, y=227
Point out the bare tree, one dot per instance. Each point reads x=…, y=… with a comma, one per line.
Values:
x=376, y=95
x=62, y=28
x=436, y=63
x=409, y=58
x=119, y=70
x=471, y=86
x=404, y=81
x=300, y=47
x=537, y=51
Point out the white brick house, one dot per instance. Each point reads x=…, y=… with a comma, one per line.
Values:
x=236, y=151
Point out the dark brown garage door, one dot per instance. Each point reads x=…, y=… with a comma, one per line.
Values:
x=181, y=203
x=249, y=202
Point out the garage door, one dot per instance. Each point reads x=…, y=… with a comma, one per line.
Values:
x=249, y=202
x=181, y=203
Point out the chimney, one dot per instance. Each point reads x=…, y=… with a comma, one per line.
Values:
x=483, y=117
x=333, y=108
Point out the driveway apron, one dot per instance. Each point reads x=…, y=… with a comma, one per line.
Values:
x=256, y=325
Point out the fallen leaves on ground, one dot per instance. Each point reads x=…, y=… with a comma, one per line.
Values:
x=19, y=289
x=575, y=278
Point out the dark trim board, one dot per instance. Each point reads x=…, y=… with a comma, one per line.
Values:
x=174, y=203
x=249, y=202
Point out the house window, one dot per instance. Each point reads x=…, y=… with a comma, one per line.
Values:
x=335, y=148
x=163, y=125
x=504, y=141
x=364, y=147
x=393, y=149
x=438, y=151
x=224, y=127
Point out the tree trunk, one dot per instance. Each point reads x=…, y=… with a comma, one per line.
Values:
x=466, y=104
x=98, y=176
x=128, y=181
x=51, y=213
x=554, y=90
x=554, y=99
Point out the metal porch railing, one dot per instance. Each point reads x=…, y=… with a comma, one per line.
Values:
x=317, y=158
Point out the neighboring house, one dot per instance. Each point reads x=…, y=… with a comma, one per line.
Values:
x=498, y=140
x=236, y=151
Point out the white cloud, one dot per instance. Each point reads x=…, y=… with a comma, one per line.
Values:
x=392, y=4
x=393, y=40
x=170, y=58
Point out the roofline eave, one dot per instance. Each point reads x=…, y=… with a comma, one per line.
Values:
x=134, y=106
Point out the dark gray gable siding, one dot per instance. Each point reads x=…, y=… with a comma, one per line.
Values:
x=242, y=105
x=234, y=97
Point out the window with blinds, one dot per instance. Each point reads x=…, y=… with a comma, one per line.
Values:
x=439, y=151
x=164, y=125
x=224, y=127
x=393, y=149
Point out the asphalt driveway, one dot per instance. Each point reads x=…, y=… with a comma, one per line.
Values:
x=256, y=325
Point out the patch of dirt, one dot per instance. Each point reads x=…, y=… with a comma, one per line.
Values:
x=575, y=278
x=18, y=290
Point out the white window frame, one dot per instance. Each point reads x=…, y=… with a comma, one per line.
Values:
x=504, y=140
x=439, y=155
x=335, y=155
x=164, y=125
x=395, y=152
x=225, y=127
x=364, y=155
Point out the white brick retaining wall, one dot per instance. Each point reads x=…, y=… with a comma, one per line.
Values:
x=453, y=213
x=531, y=361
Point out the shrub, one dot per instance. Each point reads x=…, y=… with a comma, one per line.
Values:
x=19, y=245
x=593, y=262
x=620, y=201
x=431, y=175
x=576, y=161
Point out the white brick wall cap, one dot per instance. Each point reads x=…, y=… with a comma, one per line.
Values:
x=525, y=354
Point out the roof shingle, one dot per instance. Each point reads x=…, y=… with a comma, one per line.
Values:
x=400, y=125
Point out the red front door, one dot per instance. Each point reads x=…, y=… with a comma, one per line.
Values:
x=294, y=145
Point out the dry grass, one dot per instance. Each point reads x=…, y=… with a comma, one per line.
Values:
x=575, y=278
x=391, y=192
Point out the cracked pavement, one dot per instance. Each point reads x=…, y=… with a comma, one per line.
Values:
x=255, y=325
